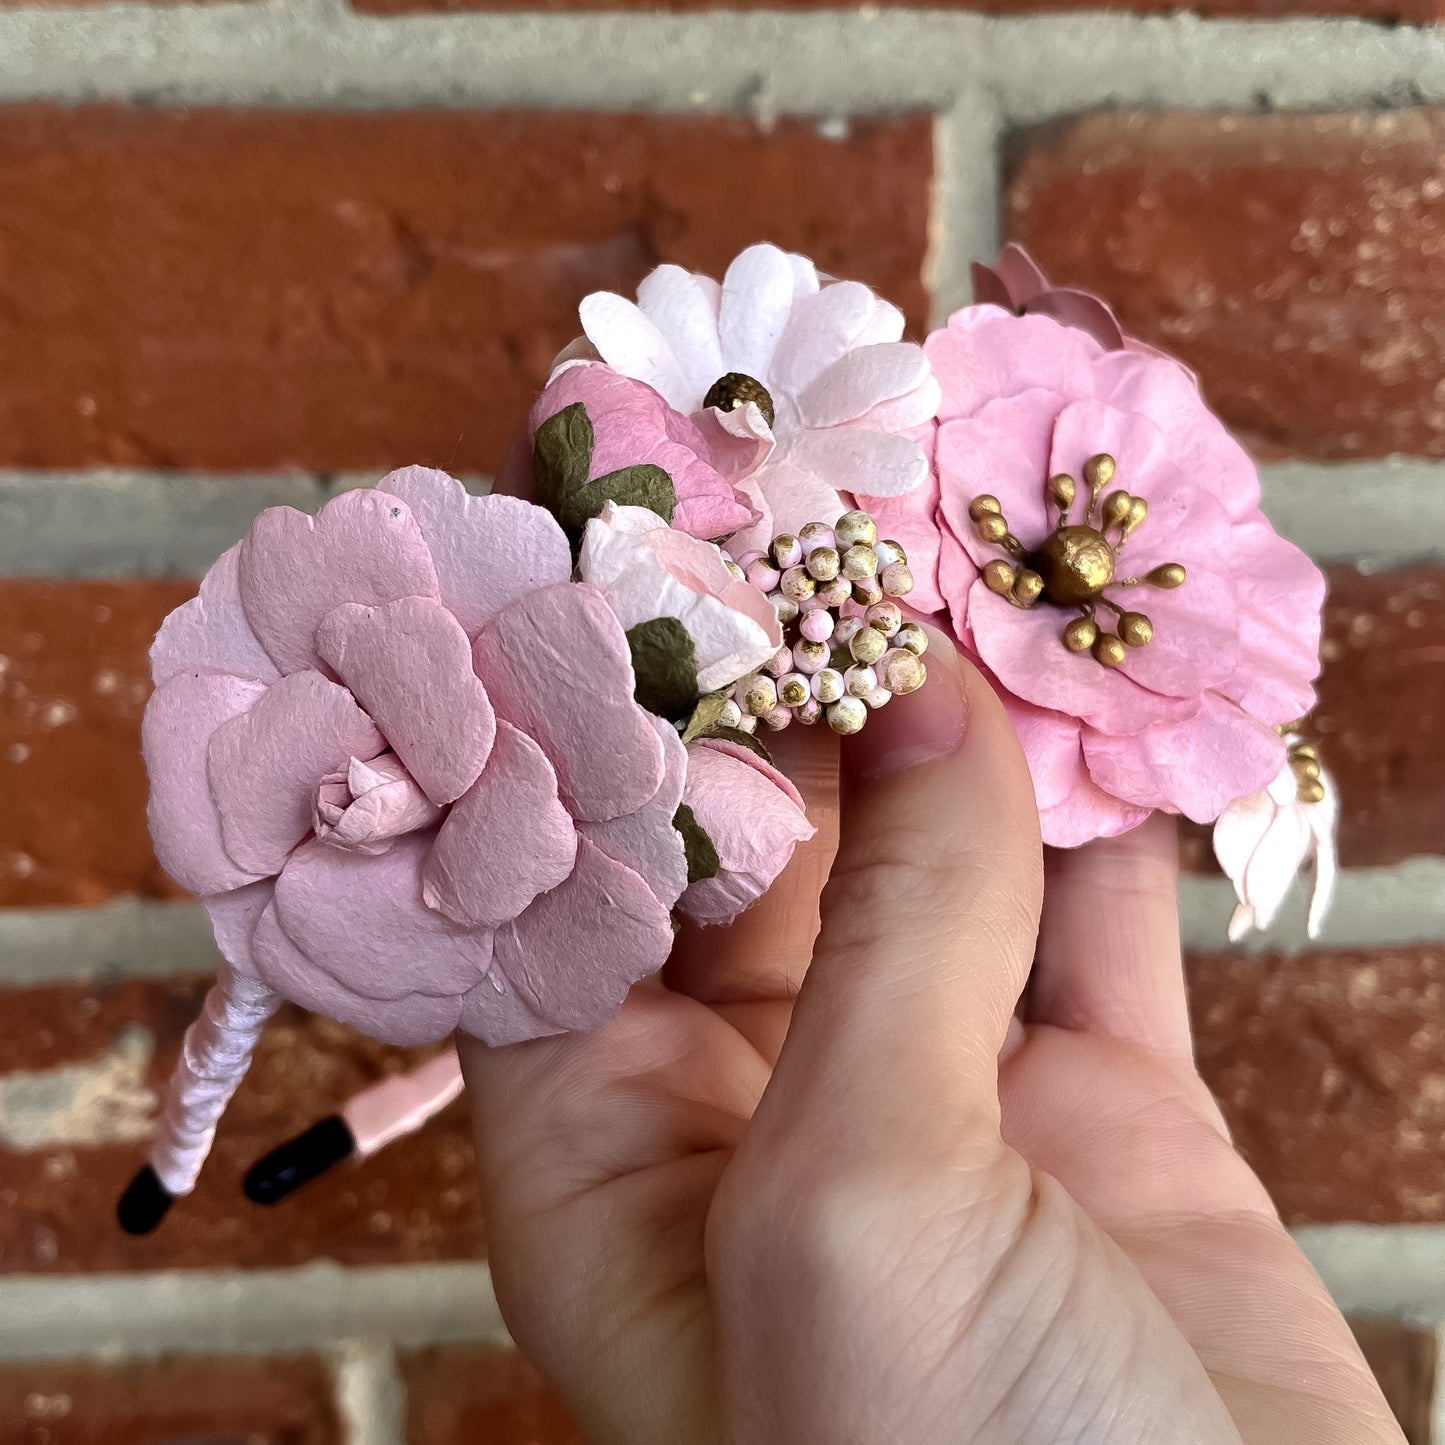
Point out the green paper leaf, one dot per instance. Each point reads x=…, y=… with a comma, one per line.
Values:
x=641, y=486
x=562, y=456
x=665, y=661
x=702, y=859
x=705, y=714
x=742, y=739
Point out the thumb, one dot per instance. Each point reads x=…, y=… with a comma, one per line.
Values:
x=929, y=921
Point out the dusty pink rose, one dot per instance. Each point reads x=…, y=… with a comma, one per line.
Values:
x=1187, y=722
x=631, y=425
x=1017, y=283
x=395, y=749
x=755, y=818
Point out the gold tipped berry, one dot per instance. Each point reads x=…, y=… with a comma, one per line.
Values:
x=1138, y=511
x=1062, y=491
x=1081, y=634
x=1169, y=576
x=1099, y=471
x=1312, y=791
x=1108, y=650
x=1135, y=629
x=992, y=527
x=998, y=576
x=854, y=528
x=1028, y=587
x=1116, y=509
x=984, y=506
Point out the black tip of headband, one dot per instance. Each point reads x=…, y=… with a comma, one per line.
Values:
x=300, y=1160
x=144, y=1203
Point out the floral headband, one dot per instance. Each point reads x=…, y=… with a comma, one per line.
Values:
x=442, y=763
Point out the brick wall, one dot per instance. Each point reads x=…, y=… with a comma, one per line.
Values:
x=252, y=253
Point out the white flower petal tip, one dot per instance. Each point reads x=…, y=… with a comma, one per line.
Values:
x=1264, y=841
x=838, y=386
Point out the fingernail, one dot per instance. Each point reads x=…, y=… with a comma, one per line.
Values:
x=920, y=727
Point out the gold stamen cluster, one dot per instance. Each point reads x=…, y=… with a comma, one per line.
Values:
x=1304, y=763
x=1077, y=562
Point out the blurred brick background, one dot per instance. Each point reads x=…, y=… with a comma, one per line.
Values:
x=253, y=252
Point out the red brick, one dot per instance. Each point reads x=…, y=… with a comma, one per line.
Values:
x=1417, y=12
x=1381, y=714
x=458, y=1394
x=236, y=1400
x=1403, y=1359
x=256, y=288
x=415, y=1201
x=1294, y=260
x=1330, y=1068
x=73, y=684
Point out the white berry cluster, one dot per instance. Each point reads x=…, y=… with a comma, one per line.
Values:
x=846, y=646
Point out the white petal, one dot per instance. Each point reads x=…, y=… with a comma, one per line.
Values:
x=821, y=329
x=684, y=308
x=885, y=324
x=867, y=463
x=628, y=342
x=1323, y=820
x=863, y=379
x=1238, y=831
x=1276, y=863
x=757, y=300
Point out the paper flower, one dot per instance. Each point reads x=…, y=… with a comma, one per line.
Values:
x=647, y=570
x=632, y=424
x=1100, y=549
x=355, y=712
x=1017, y=283
x=755, y=818
x=801, y=383
x=1263, y=841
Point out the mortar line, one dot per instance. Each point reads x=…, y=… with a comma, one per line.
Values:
x=820, y=63
x=370, y=1392
x=317, y=1307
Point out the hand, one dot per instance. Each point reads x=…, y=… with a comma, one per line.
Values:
x=886, y=1210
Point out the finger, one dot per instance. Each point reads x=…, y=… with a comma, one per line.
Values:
x=928, y=923
x=1109, y=957
x=763, y=954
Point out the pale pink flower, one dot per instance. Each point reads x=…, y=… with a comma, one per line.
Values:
x=395, y=748
x=633, y=425
x=755, y=818
x=647, y=569
x=1264, y=840
x=1187, y=722
x=844, y=388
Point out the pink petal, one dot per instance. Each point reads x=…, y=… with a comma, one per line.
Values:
x=757, y=299
x=957, y=573
x=911, y=521
x=1083, y=429
x=1087, y=813
x=409, y=664
x=985, y=353
x=265, y=765
x=181, y=718
x=1280, y=595
x=1197, y=767
x=487, y=551
x=363, y=921
x=1053, y=747
x=628, y=342
x=645, y=841
x=755, y=818
x=210, y=632
x=1003, y=451
x=234, y=916
x=363, y=547
x=507, y=840
x=1202, y=449
x=1196, y=634
x=409, y=1022
x=1082, y=311
x=1022, y=277
x=684, y=308
x=556, y=665
x=794, y=492
x=570, y=959
x=865, y=378
x=1025, y=650
x=372, y=804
